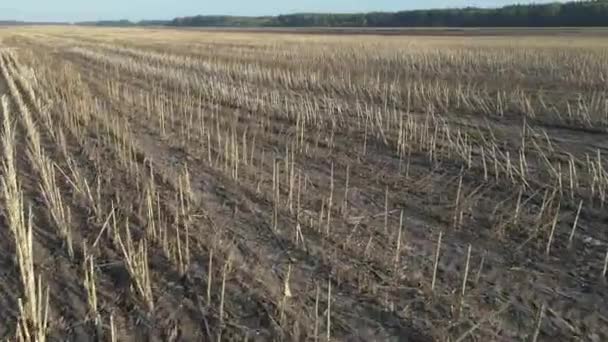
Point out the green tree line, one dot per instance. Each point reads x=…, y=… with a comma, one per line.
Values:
x=579, y=13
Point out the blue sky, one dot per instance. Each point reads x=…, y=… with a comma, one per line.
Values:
x=75, y=10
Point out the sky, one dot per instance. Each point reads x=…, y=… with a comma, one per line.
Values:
x=81, y=10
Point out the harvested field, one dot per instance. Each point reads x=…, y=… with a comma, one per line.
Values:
x=187, y=185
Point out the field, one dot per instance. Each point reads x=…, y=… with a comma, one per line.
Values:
x=191, y=185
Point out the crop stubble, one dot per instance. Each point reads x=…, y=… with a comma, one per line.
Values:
x=198, y=185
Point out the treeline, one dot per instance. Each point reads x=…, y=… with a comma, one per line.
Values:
x=579, y=13
x=224, y=20
x=29, y=23
x=124, y=23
